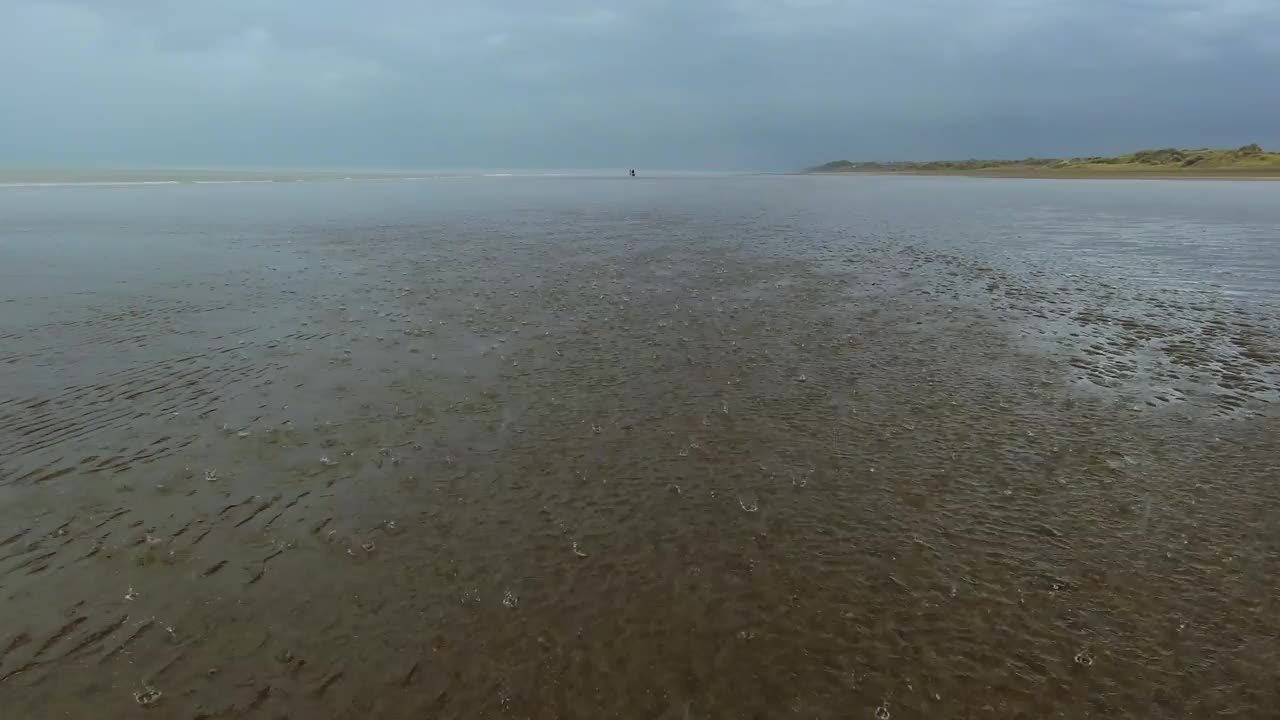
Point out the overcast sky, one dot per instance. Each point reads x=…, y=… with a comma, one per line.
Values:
x=698, y=84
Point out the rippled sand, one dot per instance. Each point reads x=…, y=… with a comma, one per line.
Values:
x=694, y=448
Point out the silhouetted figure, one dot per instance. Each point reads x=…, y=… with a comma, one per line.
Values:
x=633, y=172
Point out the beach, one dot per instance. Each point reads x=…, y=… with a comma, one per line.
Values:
x=672, y=447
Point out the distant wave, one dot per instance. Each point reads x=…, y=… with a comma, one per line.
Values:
x=326, y=177
x=91, y=182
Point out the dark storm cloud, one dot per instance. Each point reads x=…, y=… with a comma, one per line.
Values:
x=698, y=83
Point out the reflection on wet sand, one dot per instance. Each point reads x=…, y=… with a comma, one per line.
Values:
x=713, y=448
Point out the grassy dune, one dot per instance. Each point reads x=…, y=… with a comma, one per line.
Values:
x=1245, y=162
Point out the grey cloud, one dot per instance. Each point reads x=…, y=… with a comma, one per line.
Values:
x=767, y=84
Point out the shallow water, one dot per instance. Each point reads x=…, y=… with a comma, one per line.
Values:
x=677, y=447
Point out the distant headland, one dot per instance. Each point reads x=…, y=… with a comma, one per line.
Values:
x=1249, y=161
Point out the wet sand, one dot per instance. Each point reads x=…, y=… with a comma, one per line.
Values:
x=678, y=448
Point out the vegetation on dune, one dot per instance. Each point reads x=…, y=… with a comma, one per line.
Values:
x=1243, y=160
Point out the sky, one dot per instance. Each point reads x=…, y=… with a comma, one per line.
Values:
x=691, y=84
